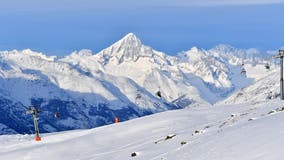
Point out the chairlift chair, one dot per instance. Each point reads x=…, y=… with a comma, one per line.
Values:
x=159, y=94
x=138, y=96
x=267, y=66
x=57, y=115
x=243, y=72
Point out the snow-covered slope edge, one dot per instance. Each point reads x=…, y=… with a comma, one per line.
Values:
x=217, y=133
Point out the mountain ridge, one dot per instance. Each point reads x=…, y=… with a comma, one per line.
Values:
x=127, y=80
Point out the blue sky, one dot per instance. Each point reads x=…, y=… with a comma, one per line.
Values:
x=58, y=27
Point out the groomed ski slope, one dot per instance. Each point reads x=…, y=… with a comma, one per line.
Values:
x=228, y=132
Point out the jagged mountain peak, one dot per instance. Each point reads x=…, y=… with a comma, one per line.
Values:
x=82, y=53
x=130, y=40
x=131, y=37
x=130, y=34
x=194, y=49
x=194, y=54
x=228, y=49
x=28, y=53
x=129, y=48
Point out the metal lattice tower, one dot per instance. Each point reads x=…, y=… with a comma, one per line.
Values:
x=281, y=55
x=34, y=111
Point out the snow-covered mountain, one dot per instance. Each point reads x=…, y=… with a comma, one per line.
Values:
x=83, y=99
x=126, y=80
x=263, y=90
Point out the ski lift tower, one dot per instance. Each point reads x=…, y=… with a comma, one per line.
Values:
x=34, y=111
x=281, y=55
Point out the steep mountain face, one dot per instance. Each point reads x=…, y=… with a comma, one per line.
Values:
x=128, y=49
x=125, y=80
x=83, y=99
x=210, y=68
x=264, y=89
x=152, y=70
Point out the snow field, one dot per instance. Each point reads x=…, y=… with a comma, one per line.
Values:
x=219, y=132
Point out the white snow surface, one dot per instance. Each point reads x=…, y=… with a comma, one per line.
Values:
x=203, y=76
x=228, y=115
x=128, y=66
x=246, y=132
x=262, y=90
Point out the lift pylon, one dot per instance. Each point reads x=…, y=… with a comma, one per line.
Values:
x=281, y=55
x=34, y=111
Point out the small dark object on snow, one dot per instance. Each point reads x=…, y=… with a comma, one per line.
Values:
x=272, y=111
x=170, y=136
x=280, y=109
x=159, y=94
x=134, y=154
x=251, y=119
x=196, y=131
x=267, y=66
x=206, y=127
x=183, y=143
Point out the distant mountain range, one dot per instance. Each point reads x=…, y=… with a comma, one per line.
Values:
x=126, y=80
